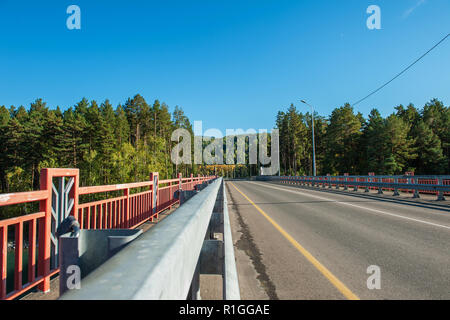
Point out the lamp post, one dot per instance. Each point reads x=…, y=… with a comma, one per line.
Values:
x=313, y=143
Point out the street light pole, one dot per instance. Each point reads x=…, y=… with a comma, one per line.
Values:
x=313, y=142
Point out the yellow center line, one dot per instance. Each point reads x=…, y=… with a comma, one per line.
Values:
x=332, y=278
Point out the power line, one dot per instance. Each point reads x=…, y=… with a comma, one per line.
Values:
x=404, y=70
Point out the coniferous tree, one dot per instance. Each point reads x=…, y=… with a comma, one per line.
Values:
x=400, y=148
x=437, y=117
x=375, y=141
x=121, y=127
x=4, y=163
x=428, y=146
x=342, y=141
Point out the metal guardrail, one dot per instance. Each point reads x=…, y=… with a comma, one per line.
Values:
x=380, y=183
x=166, y=261
x=231, y=284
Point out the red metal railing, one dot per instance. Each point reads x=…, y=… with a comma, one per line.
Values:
x=334, y=181
x=128, y=210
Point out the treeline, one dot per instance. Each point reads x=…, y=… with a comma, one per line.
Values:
x=109, y=145
x=409, y=139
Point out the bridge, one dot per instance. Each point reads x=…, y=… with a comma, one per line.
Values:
x=346, y=237
x=59, y=197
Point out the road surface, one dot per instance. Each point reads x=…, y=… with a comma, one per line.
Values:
x=299, y=243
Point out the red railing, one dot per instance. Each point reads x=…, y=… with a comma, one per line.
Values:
x=334, y=181
x=126, y=210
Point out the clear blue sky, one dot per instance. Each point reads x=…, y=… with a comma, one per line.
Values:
x=231, y=64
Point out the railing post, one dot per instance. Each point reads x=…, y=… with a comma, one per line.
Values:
x=346, y=180
x=154, y=176
x=416, y=191
x=18, y=256
x=192, y=181
x=3, y=262
x=75, y=195
x=380, y=189
x=396, y=193
x=126, y=193
x=440, y=192
x=170, y=195
x=180, y=181
x=45, y=231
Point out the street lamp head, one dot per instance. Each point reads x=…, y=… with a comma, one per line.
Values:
x=303, y=101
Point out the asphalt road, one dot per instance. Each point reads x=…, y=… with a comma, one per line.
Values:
x=299, y=243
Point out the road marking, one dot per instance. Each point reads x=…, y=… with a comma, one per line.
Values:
x=357, y=206
x=335, y=281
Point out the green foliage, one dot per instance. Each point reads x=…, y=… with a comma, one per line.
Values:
x=342, y=141
x=429, y=147
x=108, y=146
x=408, y=140
x=400, y=147
x=375, y=139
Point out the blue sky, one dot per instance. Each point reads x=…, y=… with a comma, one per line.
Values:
x=231, y=64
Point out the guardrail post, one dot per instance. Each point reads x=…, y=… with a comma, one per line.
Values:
x=367, y=186
x=346, y=180
x=416, y=191
x=440, y=192
x=396, y=193
x=380, y=190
